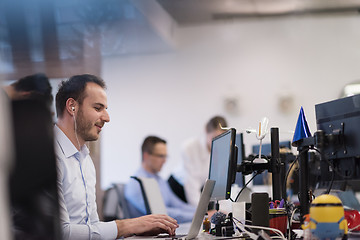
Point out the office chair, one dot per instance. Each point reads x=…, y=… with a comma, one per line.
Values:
x=177, y=188
x=115, y=205
x=154, y=203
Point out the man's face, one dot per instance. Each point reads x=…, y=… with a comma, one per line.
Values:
x=157, y=158
x=92, y=113
x=211, y=135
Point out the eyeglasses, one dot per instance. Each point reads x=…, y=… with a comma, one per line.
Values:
x=159, y=155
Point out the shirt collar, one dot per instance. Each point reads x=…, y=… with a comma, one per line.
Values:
x=66, y=145
x=148, y=174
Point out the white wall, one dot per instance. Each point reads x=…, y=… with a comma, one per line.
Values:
x=173, y=94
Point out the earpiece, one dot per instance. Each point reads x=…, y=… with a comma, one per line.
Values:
x=75, y=127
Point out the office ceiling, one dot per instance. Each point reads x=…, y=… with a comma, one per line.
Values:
x=190, y=12
x=66, y=37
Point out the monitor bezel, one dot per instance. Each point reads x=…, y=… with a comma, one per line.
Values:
x=239, y=142
x=232, y=162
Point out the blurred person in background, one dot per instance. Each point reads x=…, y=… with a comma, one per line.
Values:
x=36, y=87
x=190, y=175
x=32, y=180
x=154, y=154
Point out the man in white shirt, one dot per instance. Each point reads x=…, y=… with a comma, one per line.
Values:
x=81, y=104
x=194, y=168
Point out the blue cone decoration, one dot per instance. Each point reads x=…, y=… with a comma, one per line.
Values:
x=302, y=129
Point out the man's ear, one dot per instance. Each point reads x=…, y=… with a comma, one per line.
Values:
x=71, y=106
x=145, y=155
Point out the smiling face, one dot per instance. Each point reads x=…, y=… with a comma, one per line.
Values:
x=92, y=114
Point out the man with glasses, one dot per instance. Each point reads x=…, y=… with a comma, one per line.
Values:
x=154, y=156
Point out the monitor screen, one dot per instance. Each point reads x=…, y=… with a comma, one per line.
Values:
x=239, y=180
x=339, y=120
x=222, y=164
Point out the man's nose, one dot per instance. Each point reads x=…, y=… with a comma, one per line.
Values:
x=105, y=117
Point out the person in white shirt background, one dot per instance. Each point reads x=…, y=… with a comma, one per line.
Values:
x=81, y=105
x=193, y=170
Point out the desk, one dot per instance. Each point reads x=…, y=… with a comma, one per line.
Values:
x=201, y=236
x=184, y=229
x=351, y=236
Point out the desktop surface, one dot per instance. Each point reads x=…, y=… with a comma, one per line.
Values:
x=184, y=227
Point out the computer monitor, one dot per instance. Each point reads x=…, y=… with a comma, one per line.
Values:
x=339, y=120
x=239, y=142
x=223, y=164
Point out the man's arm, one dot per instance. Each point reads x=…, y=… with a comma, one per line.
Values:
x=146, y=225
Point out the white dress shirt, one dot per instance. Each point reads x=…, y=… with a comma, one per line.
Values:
x=194, y=168
x=76, y=183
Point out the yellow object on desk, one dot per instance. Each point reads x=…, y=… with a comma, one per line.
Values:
x=327, y=217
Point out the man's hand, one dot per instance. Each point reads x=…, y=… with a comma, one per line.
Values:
x=146, y=225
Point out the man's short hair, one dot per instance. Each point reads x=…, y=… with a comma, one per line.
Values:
x=214, y=123
x=74, y=88
x=38, y=85
x=149, y=143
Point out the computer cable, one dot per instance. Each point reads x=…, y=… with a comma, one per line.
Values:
x=290, y=222
x=288, y=172
x=75, y=128
x=333, y=172
x=279, y=234
x=286, y=204
x=242, y=189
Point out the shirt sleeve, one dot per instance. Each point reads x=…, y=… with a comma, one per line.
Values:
x=94, y=230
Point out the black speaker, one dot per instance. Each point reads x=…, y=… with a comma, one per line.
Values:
x=260, y=210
